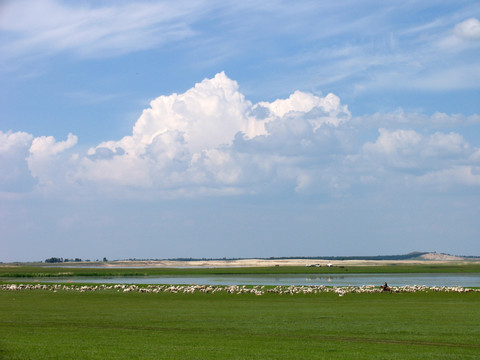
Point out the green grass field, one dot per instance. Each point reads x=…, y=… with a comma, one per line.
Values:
x=115, y=325
x=62, y=271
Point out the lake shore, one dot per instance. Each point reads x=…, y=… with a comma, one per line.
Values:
x=276, y=262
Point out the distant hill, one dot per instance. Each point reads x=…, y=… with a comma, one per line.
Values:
x=440, y=256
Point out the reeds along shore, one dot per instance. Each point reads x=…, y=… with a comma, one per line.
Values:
x=236, y=289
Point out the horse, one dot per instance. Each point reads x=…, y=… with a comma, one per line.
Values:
x=385, y=288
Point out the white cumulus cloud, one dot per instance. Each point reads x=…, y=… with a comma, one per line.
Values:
x=410, y=149
x=468, y=29
x=208, y=115
x=11, y=142
x=45, y=161
x=210, y=137
x=14, y=174
x=211, y=140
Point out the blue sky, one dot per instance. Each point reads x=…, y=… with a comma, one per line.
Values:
x=237, y=129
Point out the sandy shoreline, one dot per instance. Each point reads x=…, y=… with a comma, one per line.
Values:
x=276, y=262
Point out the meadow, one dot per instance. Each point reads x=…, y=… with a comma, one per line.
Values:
x=107, y=324
x=39, y=271
x=112, y=324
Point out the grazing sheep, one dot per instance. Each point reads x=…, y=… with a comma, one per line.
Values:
x=235, y=289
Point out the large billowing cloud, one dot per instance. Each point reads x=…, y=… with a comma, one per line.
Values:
x=211, y=140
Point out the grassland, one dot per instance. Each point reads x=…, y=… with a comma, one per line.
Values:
x=116, y=325
x=107, y=324
x=29, y=271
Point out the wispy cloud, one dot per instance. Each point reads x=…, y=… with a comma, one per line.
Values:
x=88, y=97
x=49, y=27
x=396, y=45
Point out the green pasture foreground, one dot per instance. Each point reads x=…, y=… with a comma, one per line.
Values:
x=107, y=324
x=39, y=271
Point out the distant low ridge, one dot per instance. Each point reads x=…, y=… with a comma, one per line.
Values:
x=415, y=255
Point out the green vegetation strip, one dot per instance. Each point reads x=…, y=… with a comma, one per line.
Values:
x=43, y=271
x=108, y=324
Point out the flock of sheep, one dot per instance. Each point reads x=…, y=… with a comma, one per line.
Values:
x=234, y=289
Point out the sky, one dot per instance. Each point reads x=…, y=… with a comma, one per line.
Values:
x=211, y=129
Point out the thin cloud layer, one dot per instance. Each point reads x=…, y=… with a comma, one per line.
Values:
x=380, y=46
x=48, y=27
x=211, y=140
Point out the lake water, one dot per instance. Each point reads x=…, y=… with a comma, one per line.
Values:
x=465, y=280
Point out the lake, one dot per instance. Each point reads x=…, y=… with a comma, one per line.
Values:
x=465, y=280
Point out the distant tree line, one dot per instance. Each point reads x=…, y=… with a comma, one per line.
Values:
x=62, y=260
